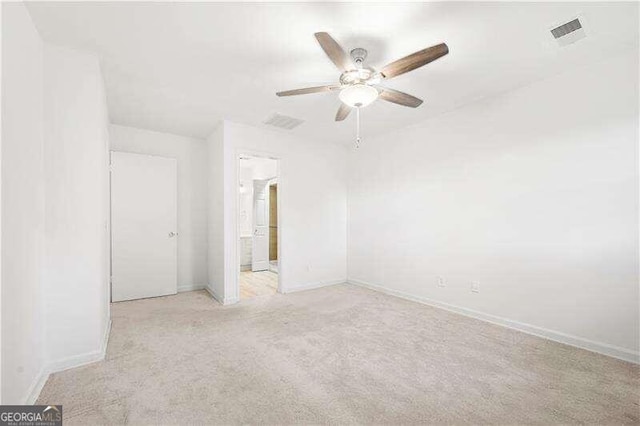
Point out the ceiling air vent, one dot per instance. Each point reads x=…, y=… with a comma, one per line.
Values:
x=283, y=121
x=568, y=33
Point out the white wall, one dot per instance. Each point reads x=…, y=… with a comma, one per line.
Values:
x=76, y=267
x=22, y=204
x=191, y=155
x=534, y=194
x=312, y=193
x=215, y=213
x=245, y=207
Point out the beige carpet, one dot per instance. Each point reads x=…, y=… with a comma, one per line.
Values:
x=340, y=354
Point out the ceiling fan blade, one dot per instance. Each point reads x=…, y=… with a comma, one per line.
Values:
x=343, y=112
x=307, y=90
x=335, y=52
x=399, y=98
x=415, y=60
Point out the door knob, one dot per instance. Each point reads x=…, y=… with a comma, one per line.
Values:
x=172, y=234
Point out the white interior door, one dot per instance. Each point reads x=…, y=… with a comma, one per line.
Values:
x=260, y=238
x=143, y=226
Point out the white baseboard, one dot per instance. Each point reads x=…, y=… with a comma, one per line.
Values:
x=190, y=287
x=105, y=339
x=310, y=286
x=82, y=359
x=75, y=361
x=556, y=336
x=219, y=298
x=213, y=294
x=65, y=364
x=36, y=387
x=230, y=300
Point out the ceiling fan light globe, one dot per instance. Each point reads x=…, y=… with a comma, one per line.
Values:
x=358, y=95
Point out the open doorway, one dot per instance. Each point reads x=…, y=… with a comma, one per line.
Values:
x=258, y=226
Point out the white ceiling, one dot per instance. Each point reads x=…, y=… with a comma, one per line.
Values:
x=181, y=67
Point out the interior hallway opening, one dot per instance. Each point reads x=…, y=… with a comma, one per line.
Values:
x=258, y=225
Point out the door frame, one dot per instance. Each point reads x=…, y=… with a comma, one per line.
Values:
x=235, y=285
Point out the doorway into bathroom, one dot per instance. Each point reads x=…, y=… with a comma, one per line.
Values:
x=258, y=226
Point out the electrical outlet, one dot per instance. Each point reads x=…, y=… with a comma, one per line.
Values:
x=441, y=282
x=475, y=287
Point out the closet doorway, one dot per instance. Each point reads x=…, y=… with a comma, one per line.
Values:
x=144, y=232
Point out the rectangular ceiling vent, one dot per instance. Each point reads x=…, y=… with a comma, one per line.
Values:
x=568, y=33
x=283, y=121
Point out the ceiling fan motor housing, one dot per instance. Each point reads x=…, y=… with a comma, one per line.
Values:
x=360, y=74
x=359, y=55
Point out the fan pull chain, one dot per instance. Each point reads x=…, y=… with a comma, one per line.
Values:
x=357, y=127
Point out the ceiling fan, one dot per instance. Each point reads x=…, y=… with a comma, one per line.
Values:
x=359, y=85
